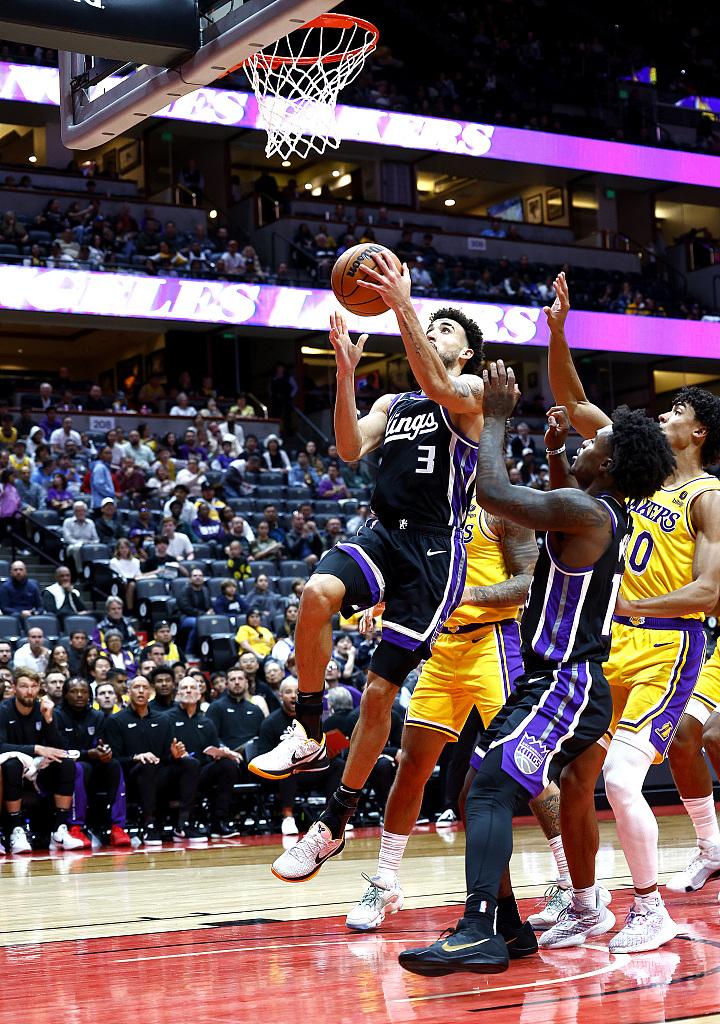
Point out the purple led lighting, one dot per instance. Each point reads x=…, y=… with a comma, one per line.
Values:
x=408, y=131
x=85, y=292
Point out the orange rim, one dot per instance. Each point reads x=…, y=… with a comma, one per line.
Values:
x=341, y=21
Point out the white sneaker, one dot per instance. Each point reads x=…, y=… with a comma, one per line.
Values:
x=647, y=926
x=289, y=828
x=19, y=842
x=704, y=865
x=575, y=924
x=294, y=753
x=306, y=858
x=556, y=899
x=447, y=818
x=61, y=839
x=378, y=901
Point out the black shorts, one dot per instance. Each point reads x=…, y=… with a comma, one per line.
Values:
x=552, y=716
x=417, y=570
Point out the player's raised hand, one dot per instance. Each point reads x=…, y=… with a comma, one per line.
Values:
x=557, y=313
x=558, y=428
x=347, y=354
x=393, y=284
x=501, y=392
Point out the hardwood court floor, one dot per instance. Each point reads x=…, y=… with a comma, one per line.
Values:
x=209, y=936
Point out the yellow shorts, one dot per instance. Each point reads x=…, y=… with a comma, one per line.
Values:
x=706, y=695
x=466, y=669
x=652, y=673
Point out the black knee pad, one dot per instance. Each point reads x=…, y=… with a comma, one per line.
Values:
x=395, y=663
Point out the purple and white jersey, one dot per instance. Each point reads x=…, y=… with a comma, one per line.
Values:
x=428, y=467
x=568, y=612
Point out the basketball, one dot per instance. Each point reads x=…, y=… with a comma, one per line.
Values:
x=346, y=273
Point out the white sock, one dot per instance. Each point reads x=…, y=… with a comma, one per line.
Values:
x=637, y=828
x=392, y=848
x=556, y=847
x=649, y=897
x=702, y=812
x=587, y=897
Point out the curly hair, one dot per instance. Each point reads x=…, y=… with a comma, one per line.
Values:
x=642, y=458
x=706, y=407
x=472, y=332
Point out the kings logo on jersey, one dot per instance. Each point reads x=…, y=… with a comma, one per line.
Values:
x=407, y=428
x=530, y=754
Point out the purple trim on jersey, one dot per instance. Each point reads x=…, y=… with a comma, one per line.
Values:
x=465, y=465
x=560, y=616
x=400, y=639
x=666, y=714
x=358, y=555
x=607, y=506
x=527, y=753
x=458, y=568
x=451, y=426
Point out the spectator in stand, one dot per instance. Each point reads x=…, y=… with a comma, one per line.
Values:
x=131, y=480
x=283, y=388
x=264, y=547
x=225, y=456
x=276, y=531
x=153, y=761
x=333, y=679
x=142, y=454
x=107, y=522
x=51, y=219
x=356, y=475
x=271, y=729
x=274, y=457
x=243, y=476
x=332, y=486
x=185, y=511
x=235, y=717
x=49, y=423
x=422, y=282
x=179, y=545
x=114, y=619
x=58, y=497
x=12, y=232
x=25, y=424
x=298, y=585
x=10, y=503
x=520, y=441
x=19, y=458
x=243, y=409
x=169, y=567
x=314, y=459
x=33, y=654
x=495, y=230
x=193, y=601
x=191, y=449
x=161, y=483
x=240, y=530
x=333, y=533
x=529, y=469
x=191, y=477
x=44, y=474
x=228, y=602
x=148, y=241
x=119, y=656
x=252, y=271
x=8, y=433
x=253, y=636
x=302, y=543
x=83, y=728
x=61, y=598
x=232, y=261
x=207, y=529
x=20, y=595
x=102, y=485
x=32, y=496
x=27, y=729
x=353, y=524
x=262, y=598
x=192, y=181
x=302, y=474
x=237, y=562
x=76, y=651
x=182, y=407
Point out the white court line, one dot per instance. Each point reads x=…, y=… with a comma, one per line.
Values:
x=620, y=960
x=233, y=949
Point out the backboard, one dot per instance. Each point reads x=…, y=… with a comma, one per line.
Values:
x=101, y=98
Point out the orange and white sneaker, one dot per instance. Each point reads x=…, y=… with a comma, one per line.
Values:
x=295, y=752
x=304, y=859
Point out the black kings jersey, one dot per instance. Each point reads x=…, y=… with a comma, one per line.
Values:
x=428, y=466
x=568, y=612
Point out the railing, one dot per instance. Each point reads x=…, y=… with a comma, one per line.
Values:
x=304, y=255
x=711, y=248
x=619, y=242
x=313, y=426
x=257, y=403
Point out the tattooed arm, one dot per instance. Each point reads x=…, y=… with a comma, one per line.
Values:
x=457, y=394
x=564, y=511
x=520, y=551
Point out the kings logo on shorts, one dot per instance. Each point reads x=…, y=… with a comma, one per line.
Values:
x=530, y=754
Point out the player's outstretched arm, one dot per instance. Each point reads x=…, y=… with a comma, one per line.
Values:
x=555, y=438
x=566, y=386
x=520, y=552
x=457, y=394
x=354, y=438
x=565, y=510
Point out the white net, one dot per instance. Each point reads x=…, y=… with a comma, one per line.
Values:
x=297, y=81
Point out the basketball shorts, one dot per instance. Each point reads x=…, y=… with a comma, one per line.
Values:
x=474, y=668
x=552, y=716
x=417, y=570
x=652, y=671
x=706, y=695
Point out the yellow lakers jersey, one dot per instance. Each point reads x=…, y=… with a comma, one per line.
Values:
x=662, y=544
x=485, y=567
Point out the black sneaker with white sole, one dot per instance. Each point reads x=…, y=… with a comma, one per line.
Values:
x=151, y=836
x=223, y=830
x=189, y=834
x=520, y=941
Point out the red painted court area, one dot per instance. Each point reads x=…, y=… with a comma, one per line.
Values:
x=316, y=970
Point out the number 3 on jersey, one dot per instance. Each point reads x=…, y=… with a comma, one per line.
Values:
x=426, y=463
x=641, y=551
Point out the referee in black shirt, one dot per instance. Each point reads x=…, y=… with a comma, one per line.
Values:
x=153, y=761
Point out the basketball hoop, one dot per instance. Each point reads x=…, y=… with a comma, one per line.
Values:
x=297, y=91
